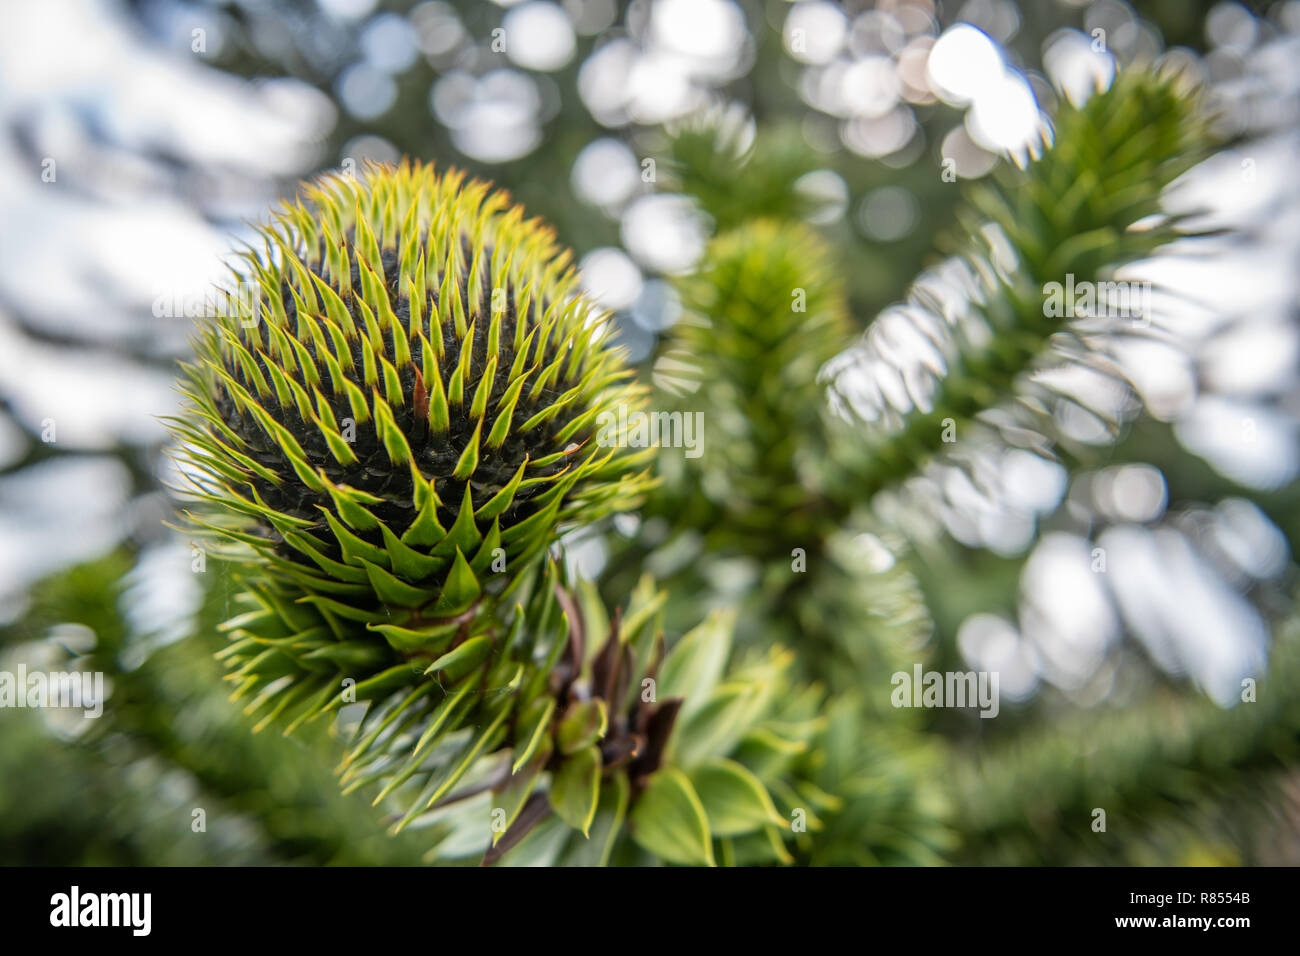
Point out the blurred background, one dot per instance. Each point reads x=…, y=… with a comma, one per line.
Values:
x=137, y=139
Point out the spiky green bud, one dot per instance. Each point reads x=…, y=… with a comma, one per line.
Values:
x=403, y=408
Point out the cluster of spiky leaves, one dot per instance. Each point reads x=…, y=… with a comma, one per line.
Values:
x=390, y=420
x=625, y=754
x=761, y=315
x=568, y=734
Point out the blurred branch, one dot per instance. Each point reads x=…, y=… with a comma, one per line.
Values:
x=172, y=708
x=1034, y=797
x=1070, y=213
